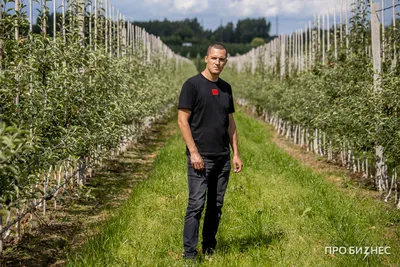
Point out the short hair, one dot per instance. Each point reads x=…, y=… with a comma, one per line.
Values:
x=217, y=45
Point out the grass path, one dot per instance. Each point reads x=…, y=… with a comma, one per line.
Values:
x=62, y=230
x=277, y=212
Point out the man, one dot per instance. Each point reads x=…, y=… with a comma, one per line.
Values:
x=206, y=122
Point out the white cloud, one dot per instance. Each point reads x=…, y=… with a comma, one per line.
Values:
x=237, y=8
x=157, y=6
x=292, y=13
x=282, y=7
x=191, y=6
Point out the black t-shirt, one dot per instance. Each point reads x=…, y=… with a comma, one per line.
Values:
x=210, y=103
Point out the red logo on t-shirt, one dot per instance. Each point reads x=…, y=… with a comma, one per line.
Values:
x=214, y=91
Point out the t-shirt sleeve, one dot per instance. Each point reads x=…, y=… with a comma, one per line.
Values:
x=231, y=108
x=187, y=96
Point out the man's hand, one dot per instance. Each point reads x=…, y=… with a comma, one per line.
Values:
x=237, y=164
x=197, y=161
x=183, y=122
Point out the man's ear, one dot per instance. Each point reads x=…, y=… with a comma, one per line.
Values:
x=205, y=58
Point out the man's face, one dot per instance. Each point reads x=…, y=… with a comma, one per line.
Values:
x=216, y=60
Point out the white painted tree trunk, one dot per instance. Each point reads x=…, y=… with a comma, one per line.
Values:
x=316, y=141
x=323, y=145
x=393, y=182
x=343, y=154
x=289, y=131
x=330, y=152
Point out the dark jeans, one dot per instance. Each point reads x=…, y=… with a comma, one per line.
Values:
x=210, y=182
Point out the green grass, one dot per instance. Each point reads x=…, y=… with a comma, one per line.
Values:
x=276, y=213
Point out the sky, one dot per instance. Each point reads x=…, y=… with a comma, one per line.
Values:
x=292, y=14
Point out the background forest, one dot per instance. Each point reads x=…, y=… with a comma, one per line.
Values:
x=239, y=39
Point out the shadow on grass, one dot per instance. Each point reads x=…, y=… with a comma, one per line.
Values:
x=62, y=230
x=245, y=243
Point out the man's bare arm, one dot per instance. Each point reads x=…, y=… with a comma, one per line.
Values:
x=233, y=140
x=183, y=122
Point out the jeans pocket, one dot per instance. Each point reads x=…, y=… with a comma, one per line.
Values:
x=227, y=165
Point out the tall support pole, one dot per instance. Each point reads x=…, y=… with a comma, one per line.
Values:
x=315, y=47
x=347, y=28
x=135, y=35
x=341, y=23
x=394, y=38
x=292, y=67
x=301, y=51
x=111, y=41
x=90, y=24
x=54, y=19
x=319, y=34
x=132, y=37
x=276, y=51
x=123, y=35
x=296, y=64
x=311, y=46
x=81, y=20
x=140, y=41
x=283, y=56
x=16, y=36
x=335, y=34
x=106, y=26
x=306, y=47
x=30, y=16
x=128, y=36
x=328, y=32
x=289, y=44
x=383, y=31
x=118, y=33
x=16, y=23
x=95, y=23
x=323, y=39
x=298, y=50
x=376, y=58
x=63, y=19
x=70, y=12
x=294, y=52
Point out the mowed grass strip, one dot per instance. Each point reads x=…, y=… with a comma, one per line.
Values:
x=276, y=213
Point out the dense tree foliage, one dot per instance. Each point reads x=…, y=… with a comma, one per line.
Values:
x=175, y=33
x=338, y=97
x=61, y=101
